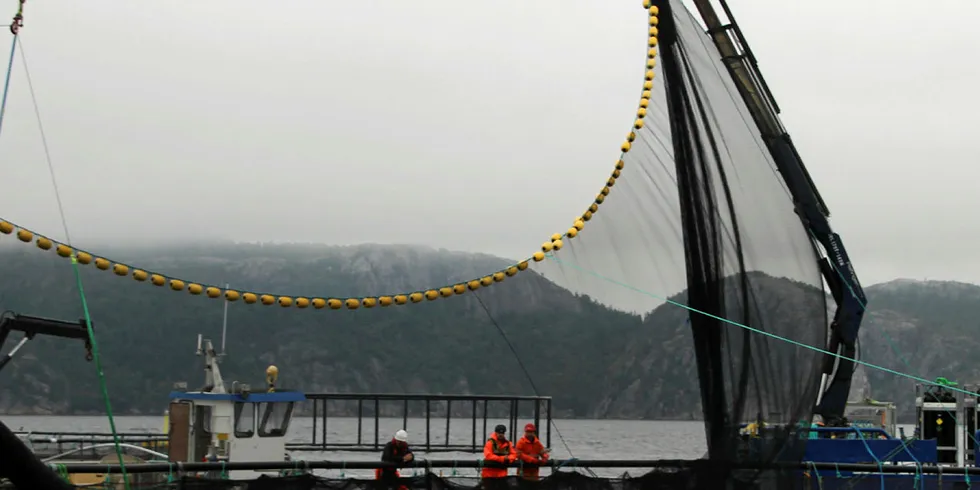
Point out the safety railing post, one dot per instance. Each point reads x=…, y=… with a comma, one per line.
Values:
x=485, y=412
x=449, y=417
x=473, y=429
x=323, y=425
x=377, y=417
x=405, y=415
x=360, y=420
x=537, y=415
x=549, y=422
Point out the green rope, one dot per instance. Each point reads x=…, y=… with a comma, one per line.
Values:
x=760, y=332
x=940, y=381
x=98, y=368
x=74, y=259
x=816, y=474
x=62, y=471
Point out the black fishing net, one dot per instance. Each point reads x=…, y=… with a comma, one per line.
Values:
x=700, y=214
x=673, y=478
x=667, y=479
x=699, y=233
x=691, y=477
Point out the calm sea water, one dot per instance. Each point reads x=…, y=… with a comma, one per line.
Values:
x=585, y=439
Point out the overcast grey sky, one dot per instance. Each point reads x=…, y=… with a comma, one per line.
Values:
x=473, y=126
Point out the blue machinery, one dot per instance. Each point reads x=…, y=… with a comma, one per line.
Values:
x=946, y=433
x=946, y=430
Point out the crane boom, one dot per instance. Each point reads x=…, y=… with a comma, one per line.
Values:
x=834, y=263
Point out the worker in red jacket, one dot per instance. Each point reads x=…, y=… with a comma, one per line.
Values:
x=530, y=450
x=498, y=449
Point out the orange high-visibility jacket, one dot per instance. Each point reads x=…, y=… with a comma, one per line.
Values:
x=530, y=452
x=500, y=452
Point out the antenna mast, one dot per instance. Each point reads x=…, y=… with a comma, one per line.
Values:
x=224, y=324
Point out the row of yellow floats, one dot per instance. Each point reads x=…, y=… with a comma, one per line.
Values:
x=554, y=244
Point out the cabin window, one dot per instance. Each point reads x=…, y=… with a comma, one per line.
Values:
x=202, y=430
x=244, y=420
x=202, y=419
x=275, y=419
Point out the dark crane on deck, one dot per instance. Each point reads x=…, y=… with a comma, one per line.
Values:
x=836, y=265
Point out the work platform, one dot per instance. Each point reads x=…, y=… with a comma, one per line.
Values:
x=436, y=423
x=477, y=414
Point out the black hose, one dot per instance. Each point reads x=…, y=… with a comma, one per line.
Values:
x=22, y=468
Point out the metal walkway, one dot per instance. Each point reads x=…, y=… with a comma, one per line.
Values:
x=475, y=414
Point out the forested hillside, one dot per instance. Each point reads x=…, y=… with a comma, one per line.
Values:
x=595, y=361
x=147, y=334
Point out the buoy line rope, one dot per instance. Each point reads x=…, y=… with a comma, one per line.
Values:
x=555, y=243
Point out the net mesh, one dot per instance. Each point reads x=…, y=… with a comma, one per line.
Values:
x=662, y=479
x=691, y=477
x=701, y=215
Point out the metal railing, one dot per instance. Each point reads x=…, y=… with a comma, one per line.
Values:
x=86, y=445
x=477, y=410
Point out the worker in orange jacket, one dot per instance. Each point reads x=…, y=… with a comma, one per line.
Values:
x=530, y=450
x=498, y=449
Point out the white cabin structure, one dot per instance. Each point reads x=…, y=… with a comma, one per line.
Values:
x=237, y=425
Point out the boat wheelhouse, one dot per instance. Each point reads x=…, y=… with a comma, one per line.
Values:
x=216, y=424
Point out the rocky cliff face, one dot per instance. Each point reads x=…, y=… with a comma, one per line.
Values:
x=147, y=334
x=595, y=361
x=924, y=328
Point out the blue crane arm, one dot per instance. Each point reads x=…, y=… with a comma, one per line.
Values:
x=836, y=267
x=838, y=271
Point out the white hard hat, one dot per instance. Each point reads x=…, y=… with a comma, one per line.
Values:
x=401, y=435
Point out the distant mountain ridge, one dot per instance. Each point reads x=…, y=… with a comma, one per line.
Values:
x=147, y=334
x=595, y=361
